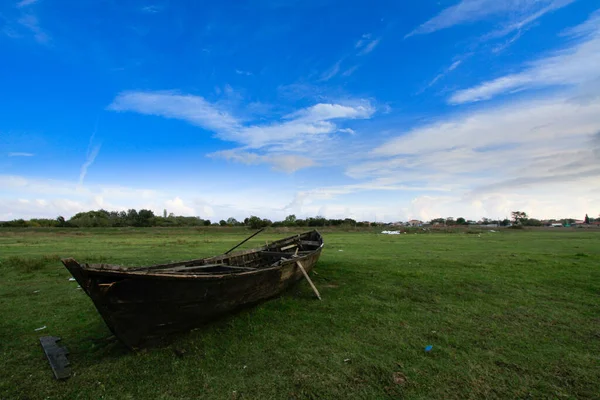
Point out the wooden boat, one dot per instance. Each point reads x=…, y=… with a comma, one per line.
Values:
x=143, y=304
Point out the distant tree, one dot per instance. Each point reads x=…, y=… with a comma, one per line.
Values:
x=518, y=217
x=587, y=219
x=132, y=217
x=145, y=218
x=254, y=222
x=437, y=221
x=349, y=221
x=232, y=221
x=301, y=222
x=290, y=220
x=532, y=222
x=223, y=222
x=60, y=221
x=206, y=222
x=505, y=222
x=317, y=221
x=450, y=221
x=461, y=221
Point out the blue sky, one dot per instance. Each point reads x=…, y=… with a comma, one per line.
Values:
x=383, y=111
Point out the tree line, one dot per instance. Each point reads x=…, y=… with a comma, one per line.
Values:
x=147, y=218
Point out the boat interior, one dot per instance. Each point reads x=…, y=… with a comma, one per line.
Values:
x=242, y=261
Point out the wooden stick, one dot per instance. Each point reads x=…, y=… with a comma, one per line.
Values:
x=312, y=285
x=244, y=241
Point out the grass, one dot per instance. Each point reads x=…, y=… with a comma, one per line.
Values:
x=513, y=314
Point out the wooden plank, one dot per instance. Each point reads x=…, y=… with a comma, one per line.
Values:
x=312, y=285
x=283, y=253
x=310, y=243
x=57, y=356
x=199, y=268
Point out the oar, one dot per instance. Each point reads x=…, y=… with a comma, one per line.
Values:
x=312, y=285
x=241, y=243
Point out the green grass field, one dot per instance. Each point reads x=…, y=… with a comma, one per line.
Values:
x=513, y=314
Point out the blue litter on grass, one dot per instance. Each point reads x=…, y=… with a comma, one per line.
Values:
x=428, y=348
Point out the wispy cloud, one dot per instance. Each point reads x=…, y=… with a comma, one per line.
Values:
x=193, y=109
x=280, y=162
x=363, y=40
x=92, y=153
x=331, y=72
x=20, y=154
x=517, y=14
x=574, y=65
x=25, y=3
x=151, y=9
x=442, y=74
x=368, y=47
x=275, y=137
x=242, y=72
x=537, y=142
x=365, y=45
x=350, y=70
x=90, y=158
x=31, y=22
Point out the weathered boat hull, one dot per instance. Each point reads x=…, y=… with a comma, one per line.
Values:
x=142, y=305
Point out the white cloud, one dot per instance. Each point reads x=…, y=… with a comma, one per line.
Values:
x=517, y=123
x=242, y=72
x=278, y=137
x=324, y=112
x=539, y=155
x=281, y=162
x=178, y=207
x=22, y=197
x=574, y=65
x=193, y=109
x=518, y=12
x=20, y=154
x=290, y=163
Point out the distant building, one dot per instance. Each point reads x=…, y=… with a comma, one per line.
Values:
x=414, y=222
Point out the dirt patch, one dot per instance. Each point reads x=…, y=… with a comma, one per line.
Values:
x=399, y=378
